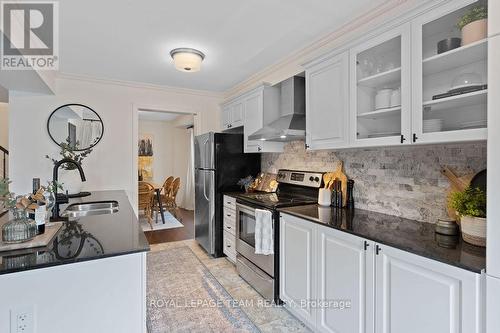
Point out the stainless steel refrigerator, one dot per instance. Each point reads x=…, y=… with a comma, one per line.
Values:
x=219, y=164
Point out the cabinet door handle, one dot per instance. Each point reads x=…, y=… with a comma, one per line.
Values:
x=377, y=249
x=228, y=246
x=403, y=139
x=307, y=146
x=415, y=137
x=366, y=244
x=259, y=149
x=228, y=227
x=228, y=215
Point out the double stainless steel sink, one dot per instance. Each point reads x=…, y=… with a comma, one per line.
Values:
x=91, y=208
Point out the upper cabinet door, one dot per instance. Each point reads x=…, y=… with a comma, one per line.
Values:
x=450, y=96
x=381, y=90
x=237, y=114
x=253, y=108
x=226, y=116
x=327, y=103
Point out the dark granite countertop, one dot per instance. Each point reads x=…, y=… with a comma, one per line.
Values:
x=408, y=235
x=86, y=238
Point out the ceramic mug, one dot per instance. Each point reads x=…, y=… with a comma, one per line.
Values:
x=324, y=197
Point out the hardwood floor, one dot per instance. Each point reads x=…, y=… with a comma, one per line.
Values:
x=186, y=217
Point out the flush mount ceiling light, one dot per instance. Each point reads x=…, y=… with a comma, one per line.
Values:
x=187, y=60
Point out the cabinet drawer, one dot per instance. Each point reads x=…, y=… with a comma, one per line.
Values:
x=230, y=202
x=229, y=224
x=229, y=246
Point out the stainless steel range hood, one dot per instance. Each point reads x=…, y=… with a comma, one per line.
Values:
x=291, y=125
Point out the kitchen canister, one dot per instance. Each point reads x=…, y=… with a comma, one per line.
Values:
x=324, y=197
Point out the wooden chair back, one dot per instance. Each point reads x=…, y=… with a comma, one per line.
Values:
x=167, y=185
x=146, y=195
x=175, y=188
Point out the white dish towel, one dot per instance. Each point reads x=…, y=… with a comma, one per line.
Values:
x=264, y=242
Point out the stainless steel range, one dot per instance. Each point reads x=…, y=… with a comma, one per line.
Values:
x=295, y=188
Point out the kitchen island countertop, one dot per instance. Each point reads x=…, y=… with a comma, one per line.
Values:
x=86, y=238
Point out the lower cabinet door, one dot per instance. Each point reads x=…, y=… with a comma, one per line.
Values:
x=345, y=284
x=416, y=294
x=298, y=266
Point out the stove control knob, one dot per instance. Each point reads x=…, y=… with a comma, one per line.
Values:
x=316, y=179
x=311, y=178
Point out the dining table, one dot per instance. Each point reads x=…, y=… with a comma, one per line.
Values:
x=158, y=188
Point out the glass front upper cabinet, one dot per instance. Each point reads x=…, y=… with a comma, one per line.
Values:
x=380, y=95
x=452, y=73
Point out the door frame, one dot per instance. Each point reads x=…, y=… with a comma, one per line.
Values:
x=134, y=195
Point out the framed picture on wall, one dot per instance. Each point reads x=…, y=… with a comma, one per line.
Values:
x=145, y=151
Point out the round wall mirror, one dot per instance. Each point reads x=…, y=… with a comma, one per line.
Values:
x=76, y=125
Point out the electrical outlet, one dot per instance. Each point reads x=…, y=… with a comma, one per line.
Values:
x=22, y=319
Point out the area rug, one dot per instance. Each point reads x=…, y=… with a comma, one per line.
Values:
x=183, y=296
x=170, y=222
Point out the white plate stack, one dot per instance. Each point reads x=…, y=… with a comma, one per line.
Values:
x=473, y=124
x=433, y=125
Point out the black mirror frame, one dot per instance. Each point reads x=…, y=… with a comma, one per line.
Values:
x=82, y=105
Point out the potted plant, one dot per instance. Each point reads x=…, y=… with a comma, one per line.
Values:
x=70, y=178
x=471, y=206
x=474, y=24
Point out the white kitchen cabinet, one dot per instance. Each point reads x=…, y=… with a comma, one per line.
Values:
x=494, y=15
x=232, y=115
x=255, y=102
x=327, y=103
x=380, y=89
x=298, y=267
x=462, y=117
x=416, y=294
x=389, y=290
x=345, y=274
x=229, y=226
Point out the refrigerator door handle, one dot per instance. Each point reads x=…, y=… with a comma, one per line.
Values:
x=205, y=186
x=205, y=151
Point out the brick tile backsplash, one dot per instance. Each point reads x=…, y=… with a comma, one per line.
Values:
x=402, y=181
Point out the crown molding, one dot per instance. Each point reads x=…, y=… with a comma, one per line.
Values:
x=140, y=85
x=391, y=11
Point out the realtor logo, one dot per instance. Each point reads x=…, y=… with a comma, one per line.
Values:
x=30, y=35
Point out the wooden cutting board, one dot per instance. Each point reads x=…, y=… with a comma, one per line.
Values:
x=39, y=241
x=457, y=184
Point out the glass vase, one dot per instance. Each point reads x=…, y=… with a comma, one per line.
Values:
x=19, y=229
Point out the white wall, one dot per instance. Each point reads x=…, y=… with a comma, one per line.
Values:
x=171, y=152
x=111, y=164
x=4, y=125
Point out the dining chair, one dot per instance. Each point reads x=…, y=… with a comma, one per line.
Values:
x=167, y=185
x=170, y=200
x=146, y=197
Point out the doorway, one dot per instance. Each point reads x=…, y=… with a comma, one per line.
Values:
x=165, y=166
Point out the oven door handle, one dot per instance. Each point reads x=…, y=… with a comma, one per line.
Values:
x=245, y=209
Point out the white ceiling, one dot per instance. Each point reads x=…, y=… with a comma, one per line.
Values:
x=157, y=116
x=130, y=39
